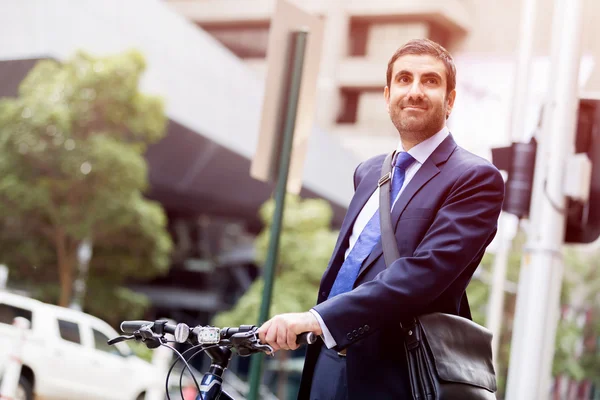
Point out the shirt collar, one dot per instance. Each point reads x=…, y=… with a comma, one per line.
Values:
x=423, y=150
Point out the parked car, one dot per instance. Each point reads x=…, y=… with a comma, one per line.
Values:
x=66, y=355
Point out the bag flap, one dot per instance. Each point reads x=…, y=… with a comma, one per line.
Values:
x=462, y=349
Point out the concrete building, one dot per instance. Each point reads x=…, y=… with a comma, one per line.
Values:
x=360, y=36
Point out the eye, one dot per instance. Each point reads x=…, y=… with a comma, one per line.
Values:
x=431, y=81
x=404, y=79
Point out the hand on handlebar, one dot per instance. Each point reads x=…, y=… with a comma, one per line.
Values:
x=245, y=338
x=217, y=343
x=281, y=331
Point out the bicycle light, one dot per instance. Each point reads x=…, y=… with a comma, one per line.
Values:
x=182, y=332
x=209, y=335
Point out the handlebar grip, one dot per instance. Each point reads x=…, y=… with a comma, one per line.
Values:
x=132, y=326
x=306, y=338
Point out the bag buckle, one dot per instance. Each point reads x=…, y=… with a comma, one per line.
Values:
x=384, y=179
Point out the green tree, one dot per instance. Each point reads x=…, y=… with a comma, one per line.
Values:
x=579, y=291
x=72, y=168
x=305, y=248
x=478, y=292
x=306, y=244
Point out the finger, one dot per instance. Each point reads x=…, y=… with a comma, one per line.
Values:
x=262, y=331
x=291, y=340
x=282, y=334
x=271, y=337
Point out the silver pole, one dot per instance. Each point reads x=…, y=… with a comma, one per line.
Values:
x=520, y=97
x=537, y=310
x=495, y=308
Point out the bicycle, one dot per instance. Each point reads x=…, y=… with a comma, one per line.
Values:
x=216, y=342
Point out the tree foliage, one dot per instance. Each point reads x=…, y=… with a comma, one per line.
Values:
x=478, y=292
x=580, y=290
x=306, y=244
x=577, y=354
x=72, y=168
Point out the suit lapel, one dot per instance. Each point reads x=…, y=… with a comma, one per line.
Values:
x=428, y=170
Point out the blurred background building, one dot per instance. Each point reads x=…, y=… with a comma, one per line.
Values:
x=360, y=37
x=207, y=59
x=200, y=171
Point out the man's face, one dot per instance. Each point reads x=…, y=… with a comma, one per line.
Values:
x=416, y=98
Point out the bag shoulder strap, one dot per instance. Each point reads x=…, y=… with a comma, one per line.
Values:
x=388, y=239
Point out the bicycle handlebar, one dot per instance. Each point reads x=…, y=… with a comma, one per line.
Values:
x=202, y=334
x=216, y=342
x=306, y=338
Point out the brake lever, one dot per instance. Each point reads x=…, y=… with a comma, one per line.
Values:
x=247, y=343
x=262, y=347
x=265, y=348
x=120, y=339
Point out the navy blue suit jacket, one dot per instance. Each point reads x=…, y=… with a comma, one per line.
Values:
x=444, y=219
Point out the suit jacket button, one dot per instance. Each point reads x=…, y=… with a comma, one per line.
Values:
x=324, y=294
x=355, y=333
x=361, y=331
x=349, y=336
x=366, y=327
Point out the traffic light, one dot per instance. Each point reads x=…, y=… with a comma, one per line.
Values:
x=583, y=219
x=518, y=160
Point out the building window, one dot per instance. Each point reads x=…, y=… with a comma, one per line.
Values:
x=359, y=36
x=348, y=107
x=440, y=35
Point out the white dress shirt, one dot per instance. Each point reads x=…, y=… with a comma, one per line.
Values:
x=420, y=153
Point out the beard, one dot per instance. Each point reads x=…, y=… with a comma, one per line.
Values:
x=418, y=126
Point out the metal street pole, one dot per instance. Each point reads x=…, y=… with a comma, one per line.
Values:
x=297, y=50
x=495, y=308
x=537, y=309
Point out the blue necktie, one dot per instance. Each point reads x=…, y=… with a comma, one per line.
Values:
x=344, y=282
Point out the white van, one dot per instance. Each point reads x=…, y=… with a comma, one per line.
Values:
x=66, y=356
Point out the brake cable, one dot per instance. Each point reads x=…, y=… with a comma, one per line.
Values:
x=180, y=356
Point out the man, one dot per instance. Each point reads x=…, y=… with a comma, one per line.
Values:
x=444, y=216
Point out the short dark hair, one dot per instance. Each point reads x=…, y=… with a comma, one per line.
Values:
x=426, y=47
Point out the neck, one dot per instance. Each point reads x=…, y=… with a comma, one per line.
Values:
x=411, y=139
x=408, y=144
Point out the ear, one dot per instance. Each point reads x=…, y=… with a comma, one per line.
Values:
x=386, y=96
x=450, y=102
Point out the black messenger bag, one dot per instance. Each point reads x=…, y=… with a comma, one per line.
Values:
x=449, y=357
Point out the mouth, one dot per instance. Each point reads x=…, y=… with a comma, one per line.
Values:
x=414, y=108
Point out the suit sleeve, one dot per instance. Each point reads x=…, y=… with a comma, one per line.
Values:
x=462, y=227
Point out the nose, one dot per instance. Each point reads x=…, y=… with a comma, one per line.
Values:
x=415, y=91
